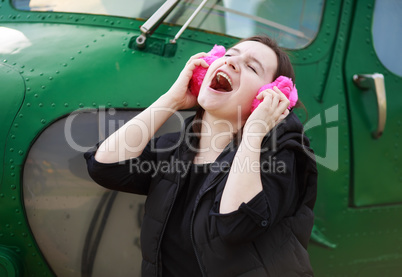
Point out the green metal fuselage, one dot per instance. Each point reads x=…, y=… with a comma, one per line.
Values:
x=71, y=62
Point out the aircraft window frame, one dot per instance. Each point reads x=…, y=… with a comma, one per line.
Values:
x=293, y=29
x=79, y=226
x=387, y=22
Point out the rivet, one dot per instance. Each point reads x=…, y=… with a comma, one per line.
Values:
x=138, y=104
x=28, y=104
x=40, y=105
x=40, y=74
x=32, y=70
x=53, y=104
x=79, y=52
x=72, y=58
x=12, y=167
x=24, y=235
x=125, y=104
x=12, y=234
x=57, y=72
x=64, y=64
x=94, y=104
x=81, y=105
x=11, y=161
x=5, y=61
x=33, y=254
x=12, y=136
x=29, y=245
x=8, y=226
x=2, y=195
x=17, y=211
x=43, y=121
x=50, y=78
x=12, y=175
x=86, y=46
x=27, y=79
x=94, y=40
x=21, y=152
x=43, y=87
x=65, y=104
x=124, y=50
x=28, y=89
x=16, y=125
x=11, y=150
x=36, y=95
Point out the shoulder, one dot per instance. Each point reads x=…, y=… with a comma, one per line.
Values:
x=173, y=140
x=167, y=140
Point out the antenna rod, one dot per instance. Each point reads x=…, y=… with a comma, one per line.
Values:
x=189, y=21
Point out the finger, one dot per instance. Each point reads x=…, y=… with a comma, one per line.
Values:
x=196, y=56
x=264, y=93
x=275, y=99
x=193, y=64
x=282, y=95
x=283, y=116
x=201, y=62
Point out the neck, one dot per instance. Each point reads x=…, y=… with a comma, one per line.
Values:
x=216, y=133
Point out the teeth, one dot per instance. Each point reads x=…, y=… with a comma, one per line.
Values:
x=224, y=75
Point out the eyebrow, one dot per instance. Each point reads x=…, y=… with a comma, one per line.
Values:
x=251, y=58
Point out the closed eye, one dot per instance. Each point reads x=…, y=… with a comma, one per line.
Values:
x=253, y=69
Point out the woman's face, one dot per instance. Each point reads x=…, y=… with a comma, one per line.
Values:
x=232, y=82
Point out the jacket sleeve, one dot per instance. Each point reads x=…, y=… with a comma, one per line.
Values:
x=278, y=199
x=133, y=175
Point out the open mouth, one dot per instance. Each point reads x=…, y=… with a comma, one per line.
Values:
x=221, y=82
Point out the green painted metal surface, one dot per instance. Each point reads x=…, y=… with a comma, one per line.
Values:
x=67, y=62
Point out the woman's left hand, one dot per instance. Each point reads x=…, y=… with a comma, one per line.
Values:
x=268, y=114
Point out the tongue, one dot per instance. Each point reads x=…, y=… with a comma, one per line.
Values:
x=221, y=84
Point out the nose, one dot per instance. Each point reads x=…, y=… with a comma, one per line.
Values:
x=232, y=63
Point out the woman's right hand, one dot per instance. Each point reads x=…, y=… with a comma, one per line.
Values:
x=180, y=93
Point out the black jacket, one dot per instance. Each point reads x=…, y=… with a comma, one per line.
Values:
x=271, y=244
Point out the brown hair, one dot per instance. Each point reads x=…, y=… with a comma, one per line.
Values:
x=285, y=68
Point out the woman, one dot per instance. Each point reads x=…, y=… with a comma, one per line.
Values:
x=229, y=195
